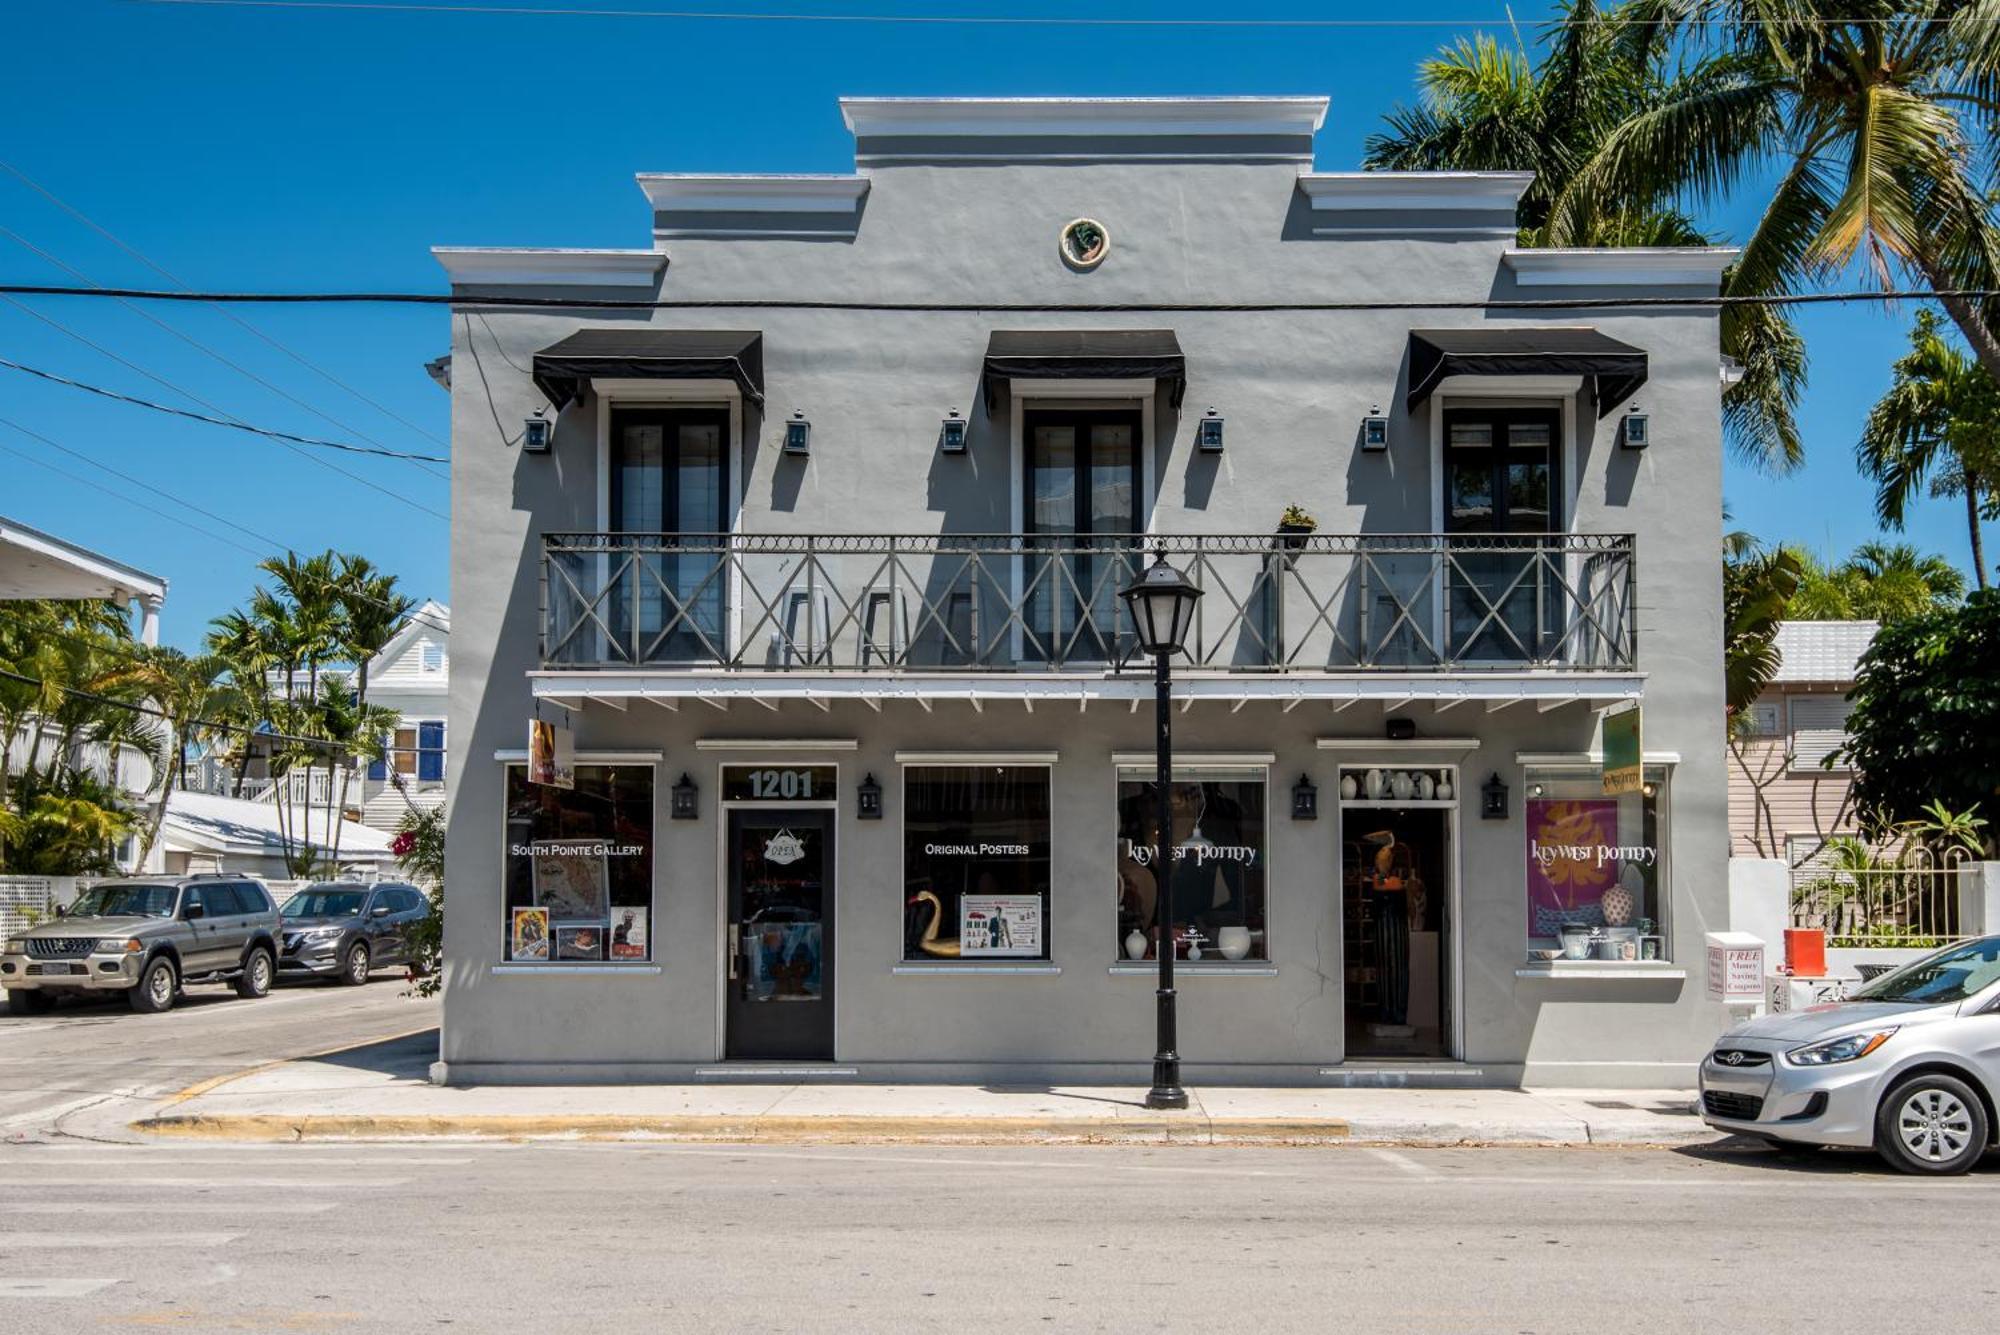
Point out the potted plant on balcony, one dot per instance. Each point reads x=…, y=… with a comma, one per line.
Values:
x=1294, y=526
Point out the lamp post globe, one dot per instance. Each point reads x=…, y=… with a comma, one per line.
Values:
x=1162, y=605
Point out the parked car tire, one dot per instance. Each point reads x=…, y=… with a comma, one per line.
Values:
x=27, y=1001
x=1932, y=1124
x=159, y=984
x=258, y=970
x=354, y=965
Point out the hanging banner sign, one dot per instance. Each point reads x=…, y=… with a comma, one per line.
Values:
x=551, y=755
x=1624, y=755
x=784, y=848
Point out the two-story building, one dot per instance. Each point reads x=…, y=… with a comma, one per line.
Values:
x=807, y=520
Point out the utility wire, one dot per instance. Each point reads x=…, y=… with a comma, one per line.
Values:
x=185, y=336
x=180, y=282
x=214, y=724
x=218, y=421
x=1013, y=20
x=499, y=301
x=117, y=495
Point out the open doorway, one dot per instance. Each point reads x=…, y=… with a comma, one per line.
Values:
x=1395, y=898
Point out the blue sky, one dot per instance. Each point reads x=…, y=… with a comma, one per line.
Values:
x=263, y=149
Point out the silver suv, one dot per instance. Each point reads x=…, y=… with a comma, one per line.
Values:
x=147, y=937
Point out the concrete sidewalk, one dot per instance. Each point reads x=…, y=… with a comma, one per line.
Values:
x=382, y=1093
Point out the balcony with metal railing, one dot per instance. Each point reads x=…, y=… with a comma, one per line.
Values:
x=1288, y=606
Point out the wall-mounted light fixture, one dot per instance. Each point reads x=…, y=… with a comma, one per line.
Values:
x=1305, y=799
x=687, y=805
x=798, y=433
x=1493, y=799
x=1375, y=429
x=1635, y=432
x=868, y=799
x=538, y=432
x=951, y=434
x=1208, y=435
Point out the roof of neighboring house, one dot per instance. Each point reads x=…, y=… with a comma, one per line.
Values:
x=34, y=564
x=430, y=615
x=208, y=823
x=1825, y=652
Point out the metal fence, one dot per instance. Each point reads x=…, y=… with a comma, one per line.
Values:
x=1862, y=899
x=1024, y=603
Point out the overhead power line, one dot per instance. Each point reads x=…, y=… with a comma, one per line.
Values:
x=214, y=725
x=377, y=451
x=500, y=301
x=1012, y=20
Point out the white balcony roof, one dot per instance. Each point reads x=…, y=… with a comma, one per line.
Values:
x=34, y=564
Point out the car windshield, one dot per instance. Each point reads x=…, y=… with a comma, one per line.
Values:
x=124, y=901
x=1952, y=975
x=325, y=904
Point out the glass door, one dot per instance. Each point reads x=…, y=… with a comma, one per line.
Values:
x=1502, y=479
x=669, y=490
x=1082, y=515
x=780, y=986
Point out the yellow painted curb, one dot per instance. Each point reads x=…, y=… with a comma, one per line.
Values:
x=214, y=1082
x=1194, y=1129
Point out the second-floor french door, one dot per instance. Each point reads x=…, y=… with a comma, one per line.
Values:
x=1080, y=512
x=670, y=477
x=1503, y=477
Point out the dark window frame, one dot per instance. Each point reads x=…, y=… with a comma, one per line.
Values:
x=1082, y=419
x=1497, y=456
x=669, y=419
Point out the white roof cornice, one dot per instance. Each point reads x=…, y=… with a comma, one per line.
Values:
x=526, y=266
x=34, y=564
x=1461, y=192
x=688, y=192
x=1633, y=266
x=907, y=117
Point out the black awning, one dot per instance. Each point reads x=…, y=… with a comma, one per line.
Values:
x=1084, y=354
x=1618, y=369
x=651, y=354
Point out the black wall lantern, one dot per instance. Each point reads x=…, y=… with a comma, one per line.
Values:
x=686, y=804
x=1375, y=429
x=869, y=799
x=798, y=433
x=1209, y=434
x=1305, y=799
x=1636, y=430
x=1493, y=799
x=951, y=435
x=538, y=433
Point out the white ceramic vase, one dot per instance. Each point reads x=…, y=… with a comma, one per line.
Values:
x=1372, y=785
x=1444, y=788
x=1194, y=950
x=1135, y=944
x=1349, y=789
x=1402, y=786
x=1426, y=787
x=1233, y=942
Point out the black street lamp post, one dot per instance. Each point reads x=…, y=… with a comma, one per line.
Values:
x=1162, y=606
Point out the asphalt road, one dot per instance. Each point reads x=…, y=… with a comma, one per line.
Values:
x=629, y=1237
x=83, y=1061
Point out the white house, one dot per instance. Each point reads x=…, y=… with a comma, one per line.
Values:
x=411, y=676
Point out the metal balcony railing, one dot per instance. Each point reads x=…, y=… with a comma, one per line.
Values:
x=1029, y=603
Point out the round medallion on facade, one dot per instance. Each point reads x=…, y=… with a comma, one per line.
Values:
x=1084, y=243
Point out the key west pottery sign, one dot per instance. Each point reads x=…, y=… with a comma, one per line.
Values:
x=1575, y=856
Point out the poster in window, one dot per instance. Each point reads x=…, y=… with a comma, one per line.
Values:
x=571, y=879
x=551, y=755
x=580, y=941
x=1576, y=861
x=531, y=935
x=1000, y=926
x=628, y=934
x=784, y=960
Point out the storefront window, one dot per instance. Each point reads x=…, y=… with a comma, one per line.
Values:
x=1596, y=866
x=975, y=862
x=579, y=867
x=1219, y=872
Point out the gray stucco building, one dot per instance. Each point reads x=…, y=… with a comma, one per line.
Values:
x=819, y=570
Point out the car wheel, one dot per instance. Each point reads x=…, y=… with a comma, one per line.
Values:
x=158, y=984
x=29, y=1001
x=255, y=980
x=1931, y=1124
x=354, y=965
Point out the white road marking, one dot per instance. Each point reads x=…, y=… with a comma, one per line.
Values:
x=1404, y=1162
x=137, y=1241
x=52, y=1288
x=294, y=1183
x=929, y=1160
x=165, y=1157
x=150, y=1208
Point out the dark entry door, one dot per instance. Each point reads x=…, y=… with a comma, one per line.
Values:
x=781, y=935
x=670, y=492
x=1502, y=480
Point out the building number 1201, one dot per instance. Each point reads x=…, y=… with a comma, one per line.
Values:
x=789, y=785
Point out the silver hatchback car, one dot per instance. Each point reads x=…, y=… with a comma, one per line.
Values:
x=1909, y=1065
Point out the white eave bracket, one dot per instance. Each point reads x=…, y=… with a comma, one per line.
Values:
x=502, y=266
x=1464, y=204
x=1633, y=266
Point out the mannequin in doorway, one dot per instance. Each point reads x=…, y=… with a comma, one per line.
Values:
x=1390, y=882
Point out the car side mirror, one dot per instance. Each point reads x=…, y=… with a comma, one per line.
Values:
x=381, y=910
x=193, y=911
x=62, y=910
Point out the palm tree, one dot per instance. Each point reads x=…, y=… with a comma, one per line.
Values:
x=195, y=694
x=1486, y=107
x=1877, y=117
x=1756, y=595
x=1939, y=423
x=1878, y=582
x=371, y=612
